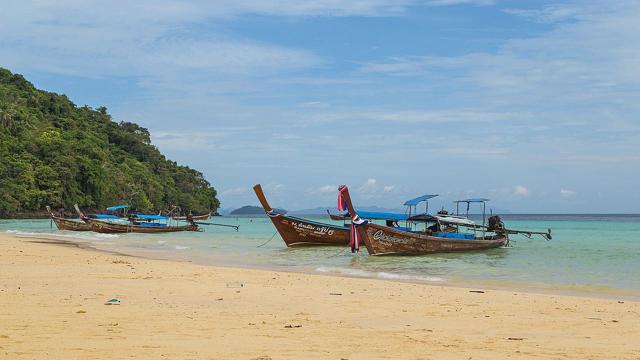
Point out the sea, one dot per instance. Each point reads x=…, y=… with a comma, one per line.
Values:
x=589, y=255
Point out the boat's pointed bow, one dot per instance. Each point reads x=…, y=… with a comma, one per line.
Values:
x=344, y=199
x=263, y=200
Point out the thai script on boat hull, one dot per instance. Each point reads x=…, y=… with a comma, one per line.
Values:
x=322, y=230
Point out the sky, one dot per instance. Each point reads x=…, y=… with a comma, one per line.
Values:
x=533, y=104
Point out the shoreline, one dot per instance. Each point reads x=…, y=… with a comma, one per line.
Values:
x=52, y=305
x=531, y=288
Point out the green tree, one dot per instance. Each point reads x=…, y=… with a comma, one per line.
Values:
x=55, y=153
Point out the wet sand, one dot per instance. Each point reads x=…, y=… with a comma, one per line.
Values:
x=52, y=305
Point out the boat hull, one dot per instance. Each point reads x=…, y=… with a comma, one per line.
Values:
x=301, y=232
x=111, y=228
x=382, y=240
x=71, y=225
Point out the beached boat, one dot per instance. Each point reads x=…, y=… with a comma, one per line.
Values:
x=296, y=231
x=385, y=240
x=139, y=223
x=113, y=217
x=68, y=224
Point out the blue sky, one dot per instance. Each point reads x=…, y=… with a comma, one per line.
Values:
x=533, y=104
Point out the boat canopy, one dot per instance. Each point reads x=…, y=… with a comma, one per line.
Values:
x=474, y=200
x=455, y=220
x=451, y=220
x=149, y=217
x=104, y=216
x=374, y=215
x=423, y=218
x=117, y=207
x=419, y=199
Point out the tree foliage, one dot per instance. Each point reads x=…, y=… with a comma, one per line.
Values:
x=55, y=153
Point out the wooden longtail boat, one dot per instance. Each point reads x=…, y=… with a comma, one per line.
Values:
x=383, y=240
x=194, y=217
x=300, y=232
x=113, y=228
x=68, y=224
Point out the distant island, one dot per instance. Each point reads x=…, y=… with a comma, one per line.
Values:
x=56, y=153
x=252, y=210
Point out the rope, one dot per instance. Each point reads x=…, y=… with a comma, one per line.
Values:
x=272, y=236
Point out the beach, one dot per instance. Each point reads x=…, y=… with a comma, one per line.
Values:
x=53, y=296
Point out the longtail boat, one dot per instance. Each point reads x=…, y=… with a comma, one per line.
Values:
x=140, y=223
x=113, y=228
x=296, y=231
x=386, y=240
x=68, y=224
x=110, y=217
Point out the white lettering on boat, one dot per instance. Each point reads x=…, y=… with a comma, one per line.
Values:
x=320, y=230
x=381, y=236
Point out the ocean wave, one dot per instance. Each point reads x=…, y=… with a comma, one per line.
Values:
x=106, y=236
x=379, y=274
x=178, y=247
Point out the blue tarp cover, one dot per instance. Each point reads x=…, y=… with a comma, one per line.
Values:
x=374, y=215
x=117, y=207
x=105, y=216
x=447, y=235
x=419, y=199
x=150, y=217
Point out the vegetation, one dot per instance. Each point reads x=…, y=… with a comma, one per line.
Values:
x=55, y=153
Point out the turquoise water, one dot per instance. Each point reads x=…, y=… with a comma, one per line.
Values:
x=588, y=253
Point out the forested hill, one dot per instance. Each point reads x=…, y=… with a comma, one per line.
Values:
x=55, y=153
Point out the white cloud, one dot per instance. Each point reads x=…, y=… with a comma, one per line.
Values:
x=461, y=2
x=520, y=190
x=480, y=151
x=328, y=189
x=371, y=189
x=603, y=158
x=233, y=191
x=565, y=193
x=549, y=14
x=418, y=116
x=273, y=187
x=146, y=39
x=435, y=116
x=565, y=60
x=370, y=186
